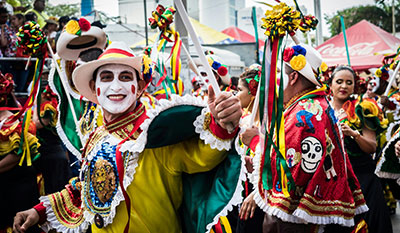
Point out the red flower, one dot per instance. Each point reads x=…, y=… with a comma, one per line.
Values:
x=84, y=24
x=222, y=71
x=288, y=54
x=253, y=84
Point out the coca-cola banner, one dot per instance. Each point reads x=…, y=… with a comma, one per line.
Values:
x=367, y=44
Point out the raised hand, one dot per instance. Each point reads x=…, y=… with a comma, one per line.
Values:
x=225, y=108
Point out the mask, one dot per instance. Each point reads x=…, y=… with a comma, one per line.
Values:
x=116, y=93
x=375, y=84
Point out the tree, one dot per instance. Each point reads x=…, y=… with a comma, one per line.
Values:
x=374, y=14
x=379, y=14
x=57, y=10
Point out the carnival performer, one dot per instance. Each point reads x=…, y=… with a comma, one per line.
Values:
x=18, y=181
x=390, y=105
x=197, y=87
x=313, y=153
x=250, y=215
x=361, y=120
x=219, y=69
x=142, y=160
x=53, y=162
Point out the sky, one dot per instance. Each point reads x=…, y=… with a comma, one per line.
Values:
x=110, y=7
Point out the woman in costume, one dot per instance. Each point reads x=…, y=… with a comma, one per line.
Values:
x=18, y=180
x=361, y=120
x=250, y=215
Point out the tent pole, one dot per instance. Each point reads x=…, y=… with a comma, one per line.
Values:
x=345, y=40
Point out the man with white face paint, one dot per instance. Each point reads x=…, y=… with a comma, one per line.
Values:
x=116, y=87
x=136, y=169
x=315, y=159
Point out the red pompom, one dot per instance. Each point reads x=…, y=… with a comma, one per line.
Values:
x=288, y=54
x=222, y=71
x=84, y=24
x=385, y=76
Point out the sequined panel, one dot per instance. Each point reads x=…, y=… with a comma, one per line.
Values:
x=101, y=180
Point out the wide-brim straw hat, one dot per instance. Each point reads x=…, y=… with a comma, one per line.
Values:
x=116, y=53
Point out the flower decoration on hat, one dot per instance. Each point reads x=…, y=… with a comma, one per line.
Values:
x=76, y=27
x=295, y=56
x=323, y=67
x=280, y=20
x=221, y=69
x=254, y=81
x=32, y=40
x=382, y=73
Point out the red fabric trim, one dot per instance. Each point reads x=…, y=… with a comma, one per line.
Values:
x=42, y=212
x=254, y=142
x=120, y=51
x=218, y=227
x=220, y=132
x=121, y=169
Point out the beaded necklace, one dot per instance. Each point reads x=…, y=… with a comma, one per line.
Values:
x=296, y=97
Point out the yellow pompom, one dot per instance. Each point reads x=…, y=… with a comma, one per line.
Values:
x=210, y=61
x=72, y=27
x=324, y=67
x=298, y=62
x=378, y=72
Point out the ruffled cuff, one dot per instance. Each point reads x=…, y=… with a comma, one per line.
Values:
x=254, y=142
x=211, y=133
x=63, y=212
x=42, y=212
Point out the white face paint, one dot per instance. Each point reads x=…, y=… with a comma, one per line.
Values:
x=374, y=83
x=116, y=87
x=285, y=80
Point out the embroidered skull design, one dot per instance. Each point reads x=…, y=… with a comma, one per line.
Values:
x=311, y=152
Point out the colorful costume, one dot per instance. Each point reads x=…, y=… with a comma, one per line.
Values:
x=19, y=180
x=158, y=167
x=318, y=165
x=19, y=189
x=359, y=114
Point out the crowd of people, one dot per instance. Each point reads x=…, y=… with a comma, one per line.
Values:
x=160, y=162
x=12, y=17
